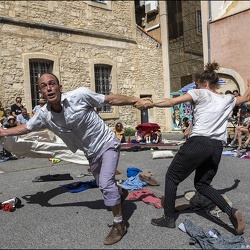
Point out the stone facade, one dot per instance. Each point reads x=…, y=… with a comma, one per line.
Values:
x=186, y=52
x=75, y=35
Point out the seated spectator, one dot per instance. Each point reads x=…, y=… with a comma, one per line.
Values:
x=246, y=143
x=119, y=131
x=23, y=117
x=1, y=112
x=237, y=109
x=11, y=122
x=228, y=92
x=242, y=129
x=139, y=136
x=147, y=135
x=156, y=136
x=41, y=104
x=7, y=113
x=16, y=107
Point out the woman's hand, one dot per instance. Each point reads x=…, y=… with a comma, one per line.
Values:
x=144, y=103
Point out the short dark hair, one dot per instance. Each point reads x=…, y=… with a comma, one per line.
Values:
x=49, y=73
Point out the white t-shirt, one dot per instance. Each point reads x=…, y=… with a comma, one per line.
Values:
x=78, y=124
x=211, y=113
x=246, y=121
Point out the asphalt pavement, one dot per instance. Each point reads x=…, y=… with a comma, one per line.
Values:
x=53, y=218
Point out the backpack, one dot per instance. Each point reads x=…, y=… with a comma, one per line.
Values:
x=200, y=202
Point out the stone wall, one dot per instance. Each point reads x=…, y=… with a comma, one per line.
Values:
x=112, y=36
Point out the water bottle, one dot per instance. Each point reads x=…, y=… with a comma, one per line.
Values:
x=129, y=141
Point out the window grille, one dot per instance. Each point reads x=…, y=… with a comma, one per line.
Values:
x=103, y=84
x=99, y=1
x=37, y=68
x=199, y=21
x=175, y=19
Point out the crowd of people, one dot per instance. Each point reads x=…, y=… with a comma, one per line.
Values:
x=240, y=119
x=147, y=136
x=72, y=117
x=14, y=116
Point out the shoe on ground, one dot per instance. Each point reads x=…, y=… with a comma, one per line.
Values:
x=244, y=145
x=124, y=195
x=232, y=144
x=237, y=220
x=162, y=222
x=149, y=179
x=116, y=233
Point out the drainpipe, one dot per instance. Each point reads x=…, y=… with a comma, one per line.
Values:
x=208, y=30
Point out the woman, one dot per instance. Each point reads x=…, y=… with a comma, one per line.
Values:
x=4, y=120
x=139, y=136
x=242, y=129
x=119, y=131
x=202, y=151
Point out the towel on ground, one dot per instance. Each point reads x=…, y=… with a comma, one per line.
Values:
x=76, y=187
x=146, y=196
x=133, y=183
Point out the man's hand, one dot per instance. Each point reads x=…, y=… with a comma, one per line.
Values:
x=144, y=103
x=1, y=132
x=17, y=130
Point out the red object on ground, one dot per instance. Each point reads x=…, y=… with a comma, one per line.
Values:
x=8, y=207
x=145, y=126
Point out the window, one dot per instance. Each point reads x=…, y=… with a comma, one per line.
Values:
x=198, y=21
x=99, y=1
x=103, y=84
x=37, y=68
x=175, y=20
x=103, y=4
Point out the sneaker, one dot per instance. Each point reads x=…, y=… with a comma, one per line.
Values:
x=162, y=222
x=232, y=144
x=237, y=220
x=16, y=202
x=124, y=195
x=116, y=233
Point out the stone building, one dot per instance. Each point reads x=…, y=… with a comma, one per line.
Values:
x=95, y=44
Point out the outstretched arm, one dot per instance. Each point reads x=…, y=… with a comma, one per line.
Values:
x=163, y=103
x=245, y=97
x=18, y=130
x=120, y=100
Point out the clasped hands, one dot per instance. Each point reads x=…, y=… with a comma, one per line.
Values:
x=144, y=103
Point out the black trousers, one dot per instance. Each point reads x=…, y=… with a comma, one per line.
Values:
x=202, y=155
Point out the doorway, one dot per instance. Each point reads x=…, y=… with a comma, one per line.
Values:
x=144, y=112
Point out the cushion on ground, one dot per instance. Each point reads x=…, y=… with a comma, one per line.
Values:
x=162, y=154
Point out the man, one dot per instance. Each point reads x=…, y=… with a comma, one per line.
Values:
x=16, y=107
x=41, y=103
x=73, y=118
x=23, y=117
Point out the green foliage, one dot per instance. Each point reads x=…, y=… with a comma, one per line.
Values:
x=129, y=132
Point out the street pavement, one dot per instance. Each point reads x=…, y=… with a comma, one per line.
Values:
x=53, y=218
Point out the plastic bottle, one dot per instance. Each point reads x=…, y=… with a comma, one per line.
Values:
x=129, y=141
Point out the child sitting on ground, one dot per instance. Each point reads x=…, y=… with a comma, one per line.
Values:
x=156, y=136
